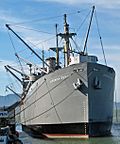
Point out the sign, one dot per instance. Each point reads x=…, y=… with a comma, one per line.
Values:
x=3, y=114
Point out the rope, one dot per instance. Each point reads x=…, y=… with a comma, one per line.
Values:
x=78, y=29
x=100, y=38
x=51, y=107
x=11, y=41
x=53, y=103
x=44, y=41
x=34, y=30
x=34, y=45
x=48, y=18
x=15, y=51
x=20, y=63
x=22, y=51
x=83, y=22
x=42, y=95
x=78, y=47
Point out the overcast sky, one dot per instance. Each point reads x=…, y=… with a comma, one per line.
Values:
x=43, y=15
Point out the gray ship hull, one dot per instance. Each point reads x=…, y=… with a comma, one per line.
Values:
x=76, y=101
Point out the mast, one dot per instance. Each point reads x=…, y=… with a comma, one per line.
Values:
x=66, y=36
x=57, y=51
x=66, y=47
x=86, y=40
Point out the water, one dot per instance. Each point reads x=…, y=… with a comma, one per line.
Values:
x=114, y=139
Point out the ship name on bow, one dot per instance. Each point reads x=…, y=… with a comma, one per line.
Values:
x=59, y=78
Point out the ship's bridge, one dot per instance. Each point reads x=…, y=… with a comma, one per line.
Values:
x=83, y=58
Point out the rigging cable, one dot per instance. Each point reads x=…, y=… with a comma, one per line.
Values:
x=48, y=18
x=44, y=96
x=15, y=51
x=20, y=63
x=12, y=46
x=78, y=47
x=65, y=98
x=44, y=112
x=82, y=22
x=34, y=45
x=44, y=41
x=53, y=103
x=34, y=29
x=100, y=38
x=78, y=29
x=11, y=41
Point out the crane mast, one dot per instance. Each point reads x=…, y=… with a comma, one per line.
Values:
x=66, y=36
